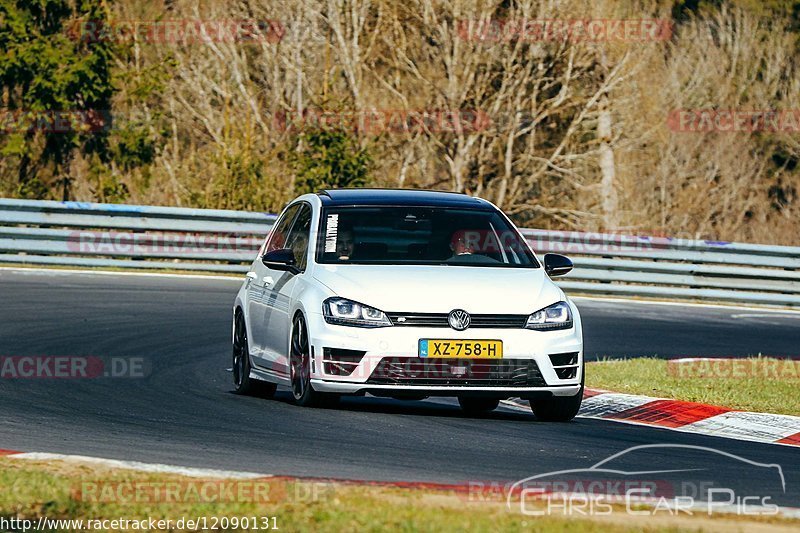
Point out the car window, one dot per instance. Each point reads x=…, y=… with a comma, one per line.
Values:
x=278, y=236
x=299, y=236
x=421, y=236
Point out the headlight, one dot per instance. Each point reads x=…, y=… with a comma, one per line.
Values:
x=556, y=316
x=348, y=313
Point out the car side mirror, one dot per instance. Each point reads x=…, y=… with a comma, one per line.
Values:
x=281, y=259
x=556, y=265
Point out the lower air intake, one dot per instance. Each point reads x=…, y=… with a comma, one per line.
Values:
x=565, y=364
x=457, y=372
x=340, y=362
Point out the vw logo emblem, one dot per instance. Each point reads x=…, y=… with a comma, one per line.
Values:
x=458, y=319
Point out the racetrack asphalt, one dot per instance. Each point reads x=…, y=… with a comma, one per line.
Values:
x=184, y=413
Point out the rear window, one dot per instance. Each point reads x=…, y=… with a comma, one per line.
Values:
x=420, y=236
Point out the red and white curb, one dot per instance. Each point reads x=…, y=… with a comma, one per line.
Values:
x=689, y=417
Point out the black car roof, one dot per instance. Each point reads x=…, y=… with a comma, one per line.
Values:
x=400, y=197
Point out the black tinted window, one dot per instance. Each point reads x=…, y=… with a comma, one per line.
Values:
x=299, y=236
x=277, y=237
x=420, y=235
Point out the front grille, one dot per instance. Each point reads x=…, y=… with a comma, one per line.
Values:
x=439, y=320
x=457, y=372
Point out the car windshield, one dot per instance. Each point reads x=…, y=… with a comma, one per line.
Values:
x=420, y=236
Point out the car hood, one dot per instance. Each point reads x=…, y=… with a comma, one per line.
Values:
x=440, y=289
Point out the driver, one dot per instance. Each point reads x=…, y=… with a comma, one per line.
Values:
x=460, y=244
x=464, y=245
x=345, y=244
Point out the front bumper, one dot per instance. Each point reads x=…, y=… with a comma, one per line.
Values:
x=340, y=387
x=401, y=344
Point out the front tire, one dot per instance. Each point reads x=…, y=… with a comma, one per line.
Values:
x=242, y=382
x=303, y=393
x=559, y=408
x=476, y=406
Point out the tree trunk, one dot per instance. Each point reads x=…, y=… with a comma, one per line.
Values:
x=608, y=192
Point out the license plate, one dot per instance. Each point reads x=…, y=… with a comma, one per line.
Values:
x=467, y=349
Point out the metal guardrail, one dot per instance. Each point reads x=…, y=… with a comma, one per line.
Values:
x=92, y=235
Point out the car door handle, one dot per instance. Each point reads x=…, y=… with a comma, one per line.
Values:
x=268, y=281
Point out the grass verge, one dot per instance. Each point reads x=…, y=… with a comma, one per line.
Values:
x=74, y=491
x=753, y=384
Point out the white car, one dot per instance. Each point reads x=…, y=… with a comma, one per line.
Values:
x=406, y=294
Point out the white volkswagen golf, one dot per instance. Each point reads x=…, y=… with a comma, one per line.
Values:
x=407, y=294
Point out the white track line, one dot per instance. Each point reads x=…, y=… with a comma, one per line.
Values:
x=765, y=309
x=773, y=314
x=141, y=467
x=54, y=271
